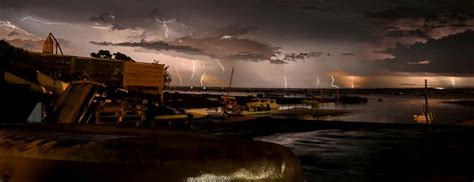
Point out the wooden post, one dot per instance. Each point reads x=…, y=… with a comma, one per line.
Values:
x=426, y=102
x=322, y=99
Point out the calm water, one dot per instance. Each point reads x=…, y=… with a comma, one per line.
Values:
x=399, y=110
x=382, y=155
x=386, y=154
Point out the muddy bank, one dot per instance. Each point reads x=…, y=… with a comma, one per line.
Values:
x=107, y=153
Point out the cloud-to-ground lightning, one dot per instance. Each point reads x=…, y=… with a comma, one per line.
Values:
x=284, y=76
x=11, y=26
x=452, y=82
x=202, y=79
x=101, y=27
x=352, y=81
x=220, y=64
x=186, y=28
x=179, y=75
x=332, y=82
x=194, y=69
x=46, y=22
x=317, y=81
x=113, y=18
x=165, y=25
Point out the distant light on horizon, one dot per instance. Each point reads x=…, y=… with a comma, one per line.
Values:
x=452, y=81
x=352, y=81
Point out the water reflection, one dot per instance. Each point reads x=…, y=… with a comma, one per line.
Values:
x=421, y=118
x=396, y=109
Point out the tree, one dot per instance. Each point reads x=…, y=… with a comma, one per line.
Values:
x=105, y=54
x=167, y=79
x=7, y=54
x=123, y=57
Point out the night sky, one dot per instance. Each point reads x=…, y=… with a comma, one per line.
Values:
x=270, y=43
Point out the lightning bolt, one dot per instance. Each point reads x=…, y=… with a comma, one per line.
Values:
x=165, y=25
x=222, y=66
x=179, y=75
x=352, y=81
x=11, y=26
x=189, y=30
x=202, y=78
x=101, y=28
x=317, y=81
x=194, y=69
x=332, y=82
x=284, y=76
x=452, y=81
x=46, y=22
x=113, y=18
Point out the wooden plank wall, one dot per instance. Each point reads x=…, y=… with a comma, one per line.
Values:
x=128, y=75
x=144, y=75
x=109, y=72
x=74, y=102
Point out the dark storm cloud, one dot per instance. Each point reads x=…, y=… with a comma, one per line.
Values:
x=449, y=55
x=404, y=12
x=290, y=24
x=335, y=6
x=200, y=16
x=405, y=33
x=234, y=30
x=301, y=56
x=13, y=34
x=158, y=45
x=348, y=54
x=432, y=11
x=424, y=20
x=102, y=18
x=155, y=13
x=277, y=61
x=109, y=19
x=226, y=49
x=246, y=57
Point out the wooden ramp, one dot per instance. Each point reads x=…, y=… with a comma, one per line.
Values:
x=74, y=104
